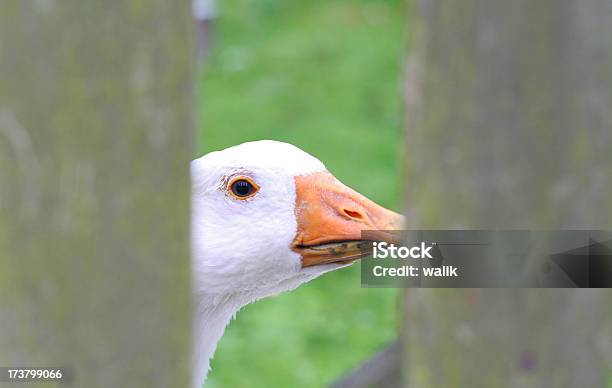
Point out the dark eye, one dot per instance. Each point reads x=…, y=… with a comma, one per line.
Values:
x=243, y=188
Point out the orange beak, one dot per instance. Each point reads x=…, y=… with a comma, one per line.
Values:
x=330, y=220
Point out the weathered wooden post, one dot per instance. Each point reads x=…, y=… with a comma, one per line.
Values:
x=509, y=126
x=94, y=190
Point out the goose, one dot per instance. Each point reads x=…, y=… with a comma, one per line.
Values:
x=267, y=217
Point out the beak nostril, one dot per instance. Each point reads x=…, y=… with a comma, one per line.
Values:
x=353, y=214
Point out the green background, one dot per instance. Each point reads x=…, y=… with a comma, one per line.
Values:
x=326, y=77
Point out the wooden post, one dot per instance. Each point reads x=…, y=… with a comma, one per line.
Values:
x=508, y=126
x=95, y=142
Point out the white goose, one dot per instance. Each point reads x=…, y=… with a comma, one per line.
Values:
x=265, y=219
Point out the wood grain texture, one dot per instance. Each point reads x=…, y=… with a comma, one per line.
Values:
x=95, y=142
x=509, y=117
x=508, y=114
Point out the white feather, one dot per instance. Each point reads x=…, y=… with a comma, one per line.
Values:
x=241, y=249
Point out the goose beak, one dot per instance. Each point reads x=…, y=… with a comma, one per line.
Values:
x=330, y=220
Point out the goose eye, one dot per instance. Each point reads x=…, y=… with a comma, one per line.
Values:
x=243, y=188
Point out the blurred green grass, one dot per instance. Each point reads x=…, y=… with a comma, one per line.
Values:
x=325, y=76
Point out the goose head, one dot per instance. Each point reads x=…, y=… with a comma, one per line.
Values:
x=268, y=216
